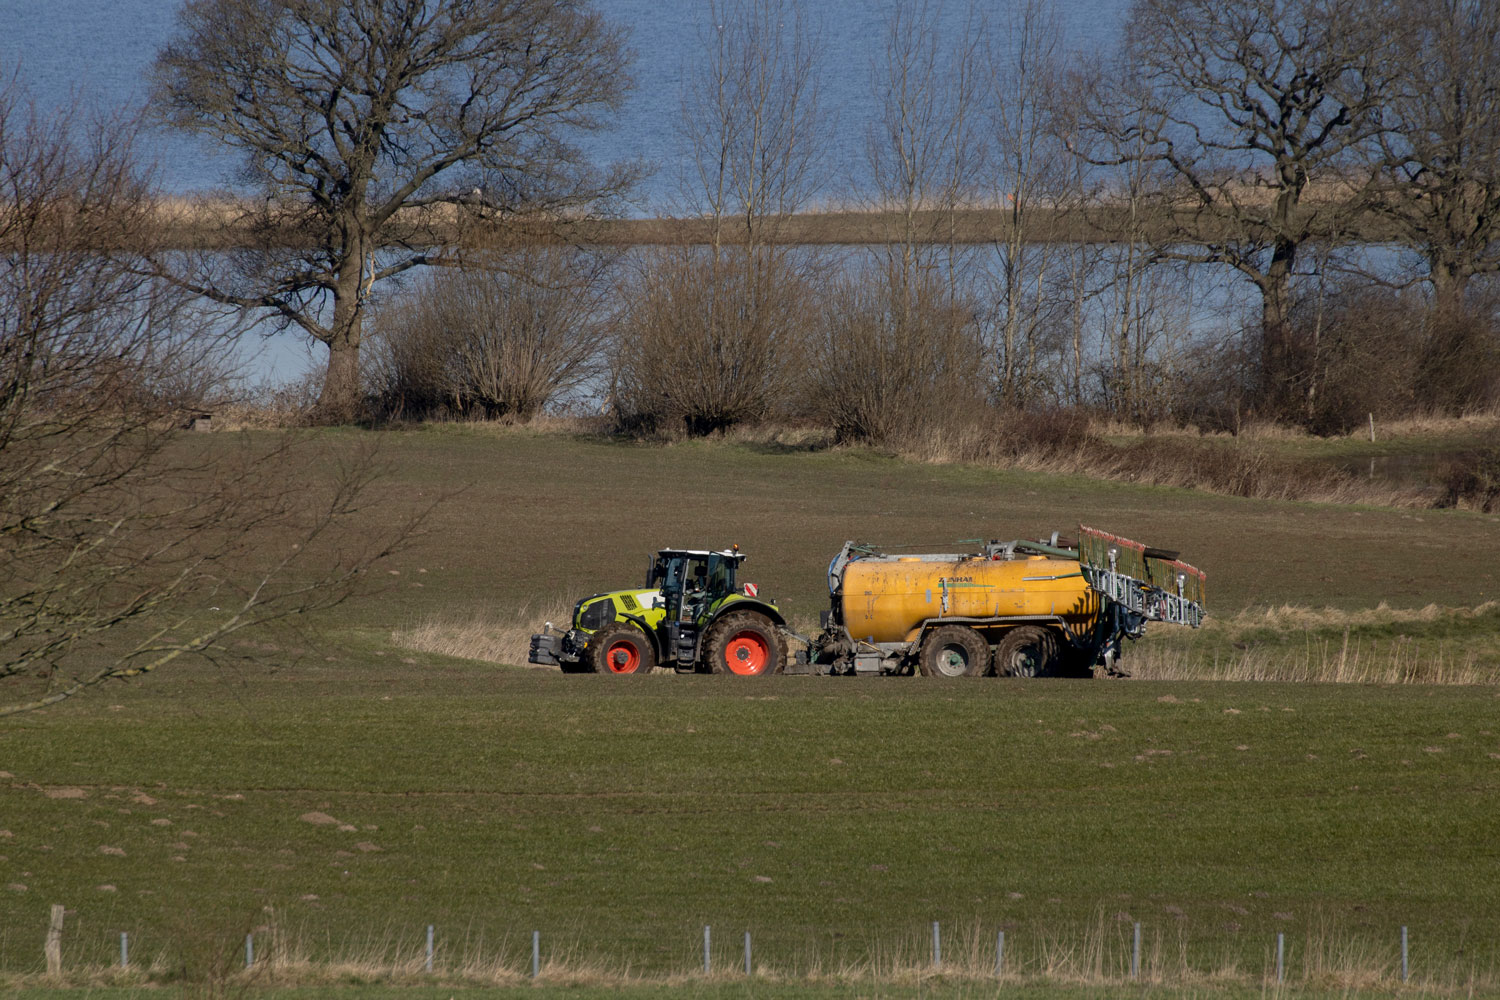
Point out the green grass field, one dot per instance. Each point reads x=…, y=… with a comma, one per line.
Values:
x=347, y=792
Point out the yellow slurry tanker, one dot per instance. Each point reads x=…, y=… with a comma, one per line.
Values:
x=1024, y=608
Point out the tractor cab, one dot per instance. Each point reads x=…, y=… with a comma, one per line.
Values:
x=691, y=580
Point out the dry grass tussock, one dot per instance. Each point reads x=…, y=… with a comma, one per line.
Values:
x=1320, y=661
x=503, y=639
x=1294, y=617
x=1096, y=956
x=1321, y=658
x=1061, y=444
x=1471, y=424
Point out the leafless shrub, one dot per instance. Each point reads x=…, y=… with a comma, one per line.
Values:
x=503, y=339
x=708, y=341
x=890, y=361
x=1357, y=349
x=1459, y=366
x=1473, y=480
x=1216, y=383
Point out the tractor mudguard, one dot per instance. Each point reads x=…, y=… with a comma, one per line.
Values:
x=735, y=603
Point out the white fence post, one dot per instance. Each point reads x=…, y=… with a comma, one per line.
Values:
x=53, y=946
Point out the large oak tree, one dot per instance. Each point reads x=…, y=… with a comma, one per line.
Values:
x=1442, y=151
x=371, y=126
x=1254, y=113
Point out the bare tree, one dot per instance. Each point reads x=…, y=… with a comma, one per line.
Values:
x=710, y=338
x=896, y=350
x=505, y=336
x=357, y=118
x=124, y=546
x=1030, y=178
x=1255, y=110
x=751, y=120
x=925, y=151
x=1441, y=153
x=1138, y=300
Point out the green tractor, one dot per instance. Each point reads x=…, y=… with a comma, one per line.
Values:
x=690, y=616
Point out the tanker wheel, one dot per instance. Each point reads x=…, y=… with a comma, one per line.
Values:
x=745, y=644
x=620, y=649
x=954, y=651
x=1028, y=651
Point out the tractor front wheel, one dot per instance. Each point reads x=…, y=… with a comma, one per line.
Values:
x=620, y=649
x=745, y=644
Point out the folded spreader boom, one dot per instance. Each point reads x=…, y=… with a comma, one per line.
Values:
x=1152, y=583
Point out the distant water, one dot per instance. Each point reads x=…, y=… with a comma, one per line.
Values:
x=101, y=50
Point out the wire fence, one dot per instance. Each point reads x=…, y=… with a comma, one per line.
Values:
x=1105, y=954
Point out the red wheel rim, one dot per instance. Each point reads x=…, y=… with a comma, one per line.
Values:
x=747, y=653
x=622, y=658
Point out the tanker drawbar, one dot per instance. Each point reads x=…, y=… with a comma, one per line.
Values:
x=1054, y=607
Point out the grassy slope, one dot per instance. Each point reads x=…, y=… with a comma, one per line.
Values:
x=621, y=817
x=547, y=516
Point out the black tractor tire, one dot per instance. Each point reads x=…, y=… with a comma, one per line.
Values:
x=1028, y=651
x=744, y=644
x=954, y=651
x=619, y=649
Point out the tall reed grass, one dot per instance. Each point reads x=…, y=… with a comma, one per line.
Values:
x=505, y=639
x=1228, y=650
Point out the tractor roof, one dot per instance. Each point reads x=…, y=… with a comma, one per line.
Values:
x=726, y=553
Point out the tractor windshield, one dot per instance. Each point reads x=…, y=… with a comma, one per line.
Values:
x=720, y=574
x=707, y=572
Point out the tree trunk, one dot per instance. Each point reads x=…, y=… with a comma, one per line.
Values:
x=1278, y=377
x=1449, y=285
x=339, y=402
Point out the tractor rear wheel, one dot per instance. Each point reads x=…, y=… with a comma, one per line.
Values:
x=954, y=651
x=746, y=644
x=1028, y=651
x=620, y=649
